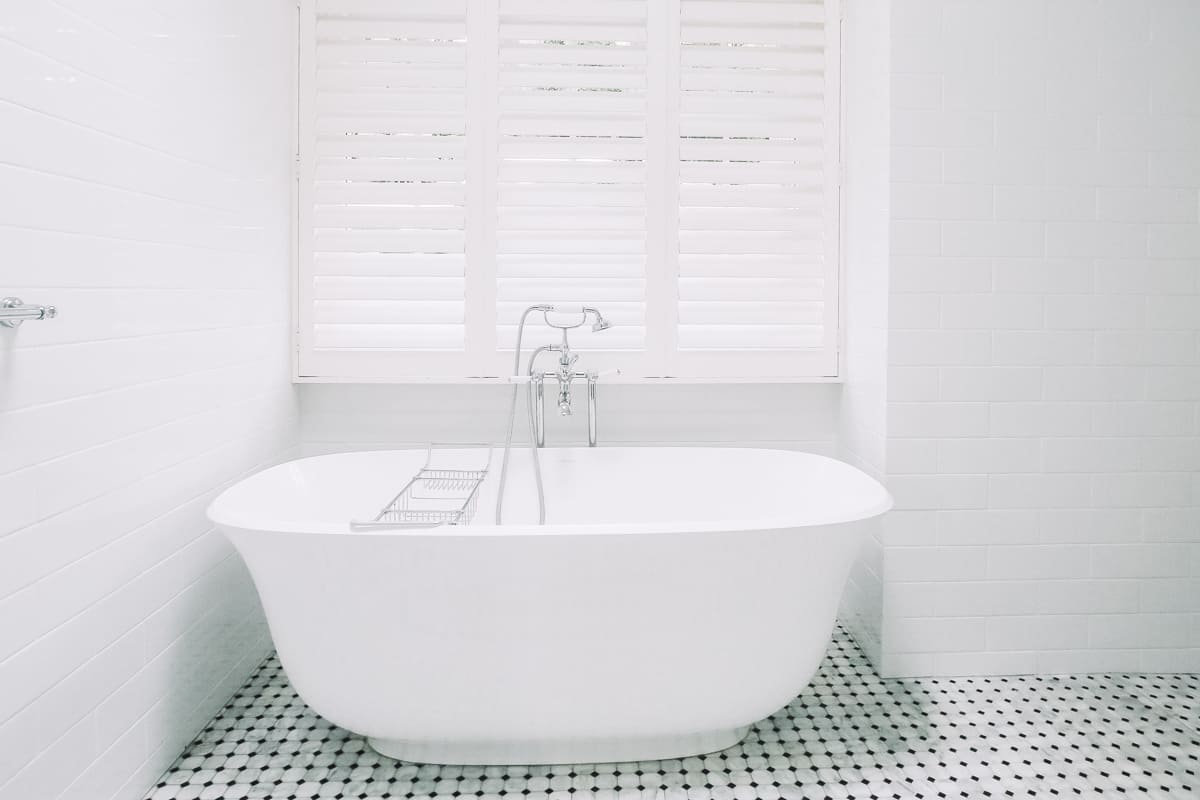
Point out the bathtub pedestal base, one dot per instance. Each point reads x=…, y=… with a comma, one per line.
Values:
x=557, y=751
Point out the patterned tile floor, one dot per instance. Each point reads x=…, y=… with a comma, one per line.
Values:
x=849, y=735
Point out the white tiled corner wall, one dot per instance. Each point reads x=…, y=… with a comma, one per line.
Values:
x=144, y=190
x=1043, y=417
x=862, y=413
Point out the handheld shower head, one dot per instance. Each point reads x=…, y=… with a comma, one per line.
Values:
x=601, y=324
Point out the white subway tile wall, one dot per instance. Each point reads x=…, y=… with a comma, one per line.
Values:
x=1044, y=356
x=340, y=417
x=144, y=189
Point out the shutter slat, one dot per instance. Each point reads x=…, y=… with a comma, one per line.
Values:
x=709, y=196
x=441, y=125
x=361, y=217
x=415, y=337
x=578, y=13
x=581, y=55
x=353, y=78
x=563, y=289
x=549, y=104
x=555, y=31
x=395, y=312
x=577, y=218
x=573, y=77
x=567, y=243
x=739, y=174
x=799, y=219
x=334, y=240
x=748, y=195
x=750, y=337
x=574, y=124
x=787, y=84
x=390, y=9
x=585, y=172
x=402, y=30
x=389, y=193
x=771, y=105
x=553, y=194
x=387, y=265
x=390, y=169
x=388, y=52
x=580, y=266
x=806, y=128
x=734, y=242
x=740, y=12
x=750, y=150
x=744, y=265
x=713, y=35
x=365, y=145
x=728, y=312
x=743, y=289
x=549, y=147
x=388, y=287
x=754, y=58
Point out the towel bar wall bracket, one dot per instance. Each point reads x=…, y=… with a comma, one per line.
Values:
x=13, y=311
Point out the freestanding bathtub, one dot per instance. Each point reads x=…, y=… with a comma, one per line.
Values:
x=674, y=597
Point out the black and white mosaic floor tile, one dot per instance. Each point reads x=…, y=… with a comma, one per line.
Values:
x=848, y=735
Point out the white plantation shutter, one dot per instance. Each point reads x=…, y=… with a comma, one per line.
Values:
x=572, y=164
x=384, y=269
x=672, y=162
x=753, y=189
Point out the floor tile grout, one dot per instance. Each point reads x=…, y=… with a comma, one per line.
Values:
x=850, y=734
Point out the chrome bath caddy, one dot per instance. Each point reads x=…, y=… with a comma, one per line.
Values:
x=440, y=493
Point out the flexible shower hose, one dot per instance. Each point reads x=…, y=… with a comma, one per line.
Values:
x=512, y=418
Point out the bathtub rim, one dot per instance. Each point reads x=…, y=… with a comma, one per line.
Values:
x=244, y=521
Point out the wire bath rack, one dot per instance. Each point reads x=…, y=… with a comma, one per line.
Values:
x=440, y=493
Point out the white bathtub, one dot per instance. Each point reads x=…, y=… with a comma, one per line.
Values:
x=674, y=597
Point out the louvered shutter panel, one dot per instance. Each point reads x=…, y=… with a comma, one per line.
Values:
x=673, y=162
x=386, y=180
x=757, y=179
x=572, y=164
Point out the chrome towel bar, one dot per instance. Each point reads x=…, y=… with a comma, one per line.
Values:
x=13, y=311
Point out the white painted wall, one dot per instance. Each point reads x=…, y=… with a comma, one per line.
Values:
x=1044, y=379
x=144, y=189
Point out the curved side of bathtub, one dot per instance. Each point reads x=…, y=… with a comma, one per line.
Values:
x=540, y=649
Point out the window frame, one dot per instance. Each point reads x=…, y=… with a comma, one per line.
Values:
x=477, y=364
